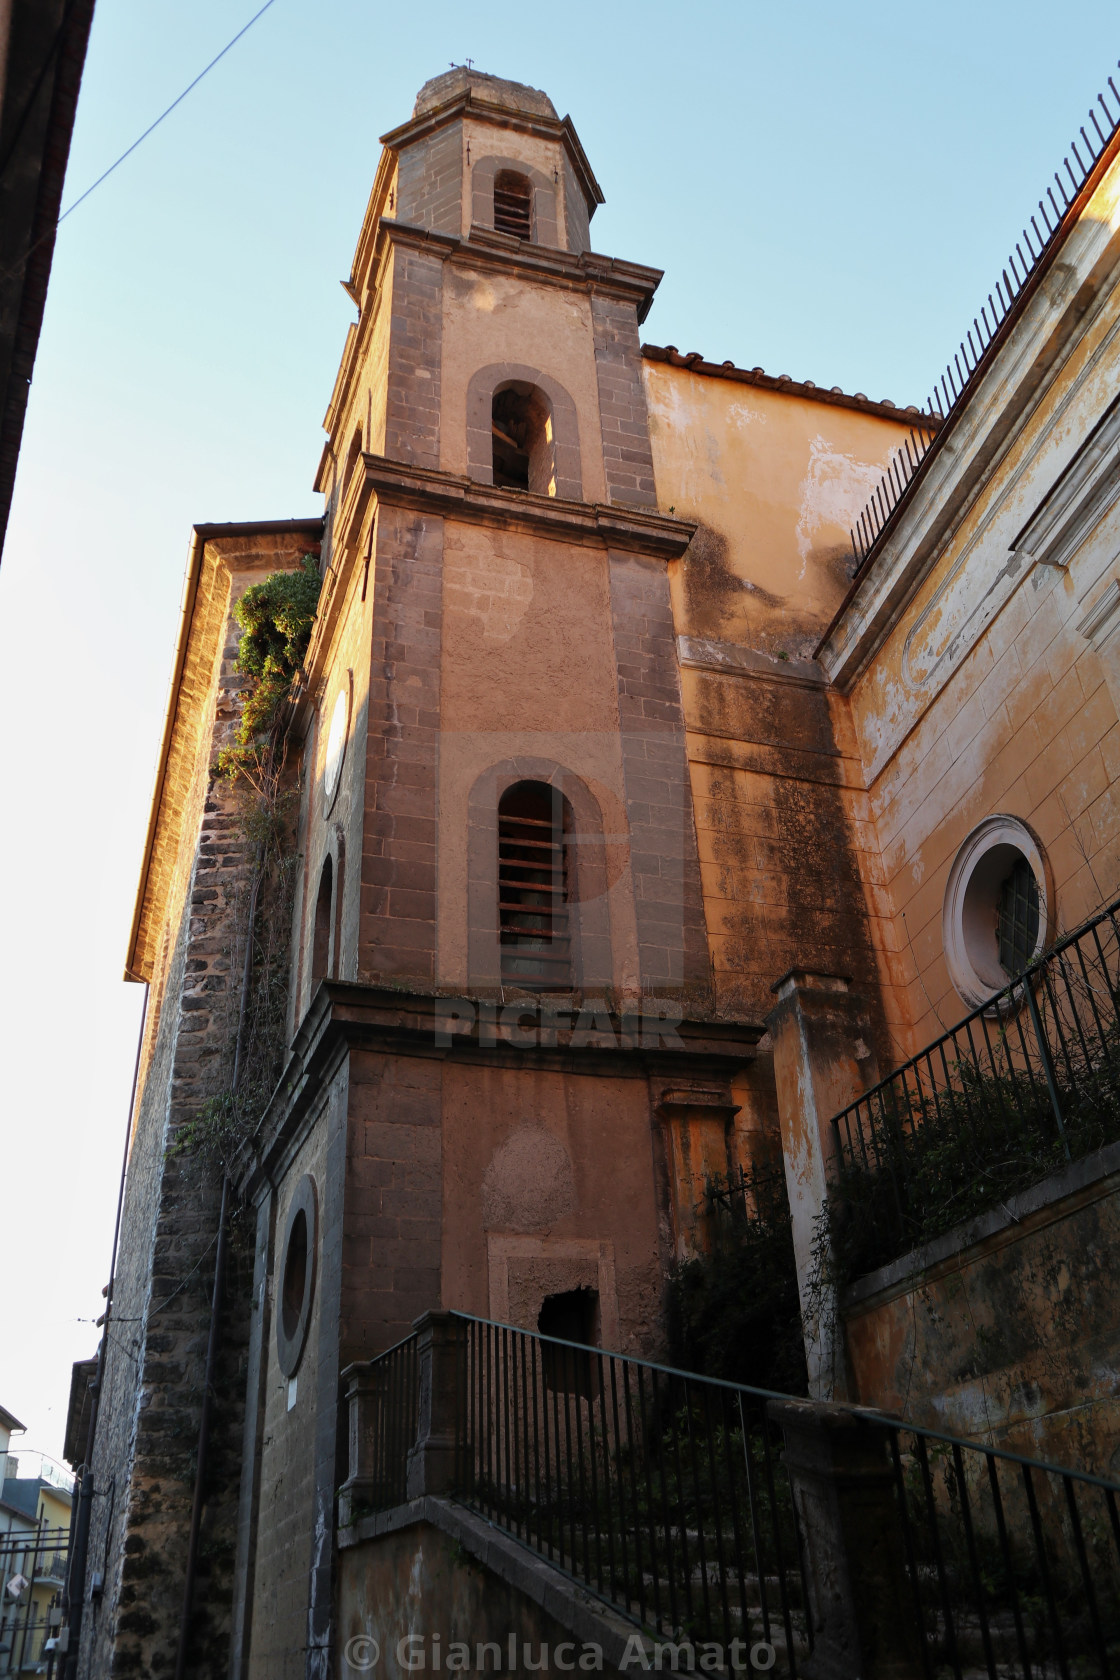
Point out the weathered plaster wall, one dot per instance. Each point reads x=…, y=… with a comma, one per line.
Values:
x=394, y=1188
x=490, y=318
x=1008, y=1331
x=285, y=1515
x=334, y=827
x=485, y=1186
x=789, y=856
x=528, y=675
x=776, y=481
x=984, y=696
x=421, y=1581
x=543, y=1194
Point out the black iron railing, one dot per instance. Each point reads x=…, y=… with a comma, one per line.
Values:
x=32, y=1576
x=383, y=1426
x=686, y=1504
x=1013, y=1565
x=1026, y=1083
x=663, y=1493
x=1054, y=208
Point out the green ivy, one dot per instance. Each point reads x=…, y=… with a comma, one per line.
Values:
x=276, y=616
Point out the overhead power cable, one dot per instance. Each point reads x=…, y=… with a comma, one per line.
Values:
x=139, y=141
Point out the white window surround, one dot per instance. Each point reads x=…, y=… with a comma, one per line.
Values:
x=336, y=744
x=968, y=922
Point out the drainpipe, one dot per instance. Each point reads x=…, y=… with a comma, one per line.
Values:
x=215, y=1309
x=76, y=1574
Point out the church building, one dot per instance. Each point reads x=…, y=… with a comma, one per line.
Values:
x=667, y=738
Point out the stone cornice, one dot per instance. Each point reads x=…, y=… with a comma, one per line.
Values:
x=531, y=1033
x=486, y=252
x=492, y=252
x=594, y=524
x=451, y=495
x=468, y=103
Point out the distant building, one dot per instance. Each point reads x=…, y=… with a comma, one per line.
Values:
x=34, y=1546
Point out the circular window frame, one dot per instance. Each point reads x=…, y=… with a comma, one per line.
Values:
x=340, y=709
x=290, y=1346
x=981, y=862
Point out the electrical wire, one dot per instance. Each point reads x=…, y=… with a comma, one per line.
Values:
x=151, y=128
x=69, y=211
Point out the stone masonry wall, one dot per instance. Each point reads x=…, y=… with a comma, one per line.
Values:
x=398, y=911
x=412, y=413
x=430, y=181
x=627, y=455
x=145, y=1452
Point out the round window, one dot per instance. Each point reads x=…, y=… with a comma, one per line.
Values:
x=297, y=1277
x=997, y=908
x=336, y=745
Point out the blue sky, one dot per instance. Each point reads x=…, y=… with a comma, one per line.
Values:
x=831, y=190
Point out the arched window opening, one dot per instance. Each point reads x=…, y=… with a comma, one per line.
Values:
x=321, y=950
x=533, y=895
x=521, y=428
x=513, y=204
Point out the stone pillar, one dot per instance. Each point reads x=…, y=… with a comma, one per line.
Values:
x=822, y=1061
x=356, y=1492
x=442, y=1356
x=860, y=1600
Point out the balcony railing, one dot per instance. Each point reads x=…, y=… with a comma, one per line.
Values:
x=1025, y=1084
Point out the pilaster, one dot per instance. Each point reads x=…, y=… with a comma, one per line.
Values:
x=822, y=1061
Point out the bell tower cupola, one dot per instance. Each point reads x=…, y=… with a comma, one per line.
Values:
x=483, y=155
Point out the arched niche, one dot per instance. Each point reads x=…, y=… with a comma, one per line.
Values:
x=588, y=905
x=543, y=220
x=485, y=384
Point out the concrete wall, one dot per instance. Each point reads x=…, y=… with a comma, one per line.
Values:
x=451, y=1589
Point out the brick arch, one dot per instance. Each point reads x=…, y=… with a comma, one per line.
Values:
x=544, y=225
x=565, y=425
x=592, y=965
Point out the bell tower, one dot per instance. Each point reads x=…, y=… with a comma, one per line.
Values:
x=489, y=475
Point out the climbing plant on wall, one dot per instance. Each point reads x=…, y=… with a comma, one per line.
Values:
x=276, y=617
